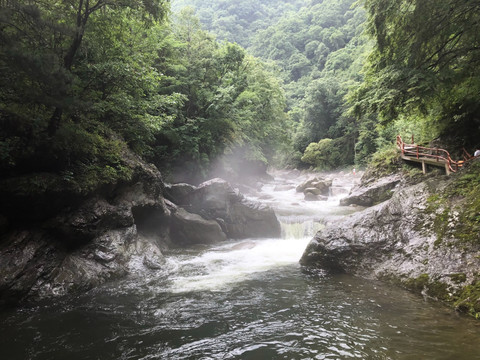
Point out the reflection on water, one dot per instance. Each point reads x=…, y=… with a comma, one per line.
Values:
x=281, y=313
x=245, y=299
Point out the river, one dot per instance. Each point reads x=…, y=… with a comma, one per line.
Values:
x=246, y=299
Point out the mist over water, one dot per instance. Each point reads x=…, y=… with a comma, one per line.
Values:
x=247, y=299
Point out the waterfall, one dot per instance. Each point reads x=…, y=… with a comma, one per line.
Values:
x=299, y=227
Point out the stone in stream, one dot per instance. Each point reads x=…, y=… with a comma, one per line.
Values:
x=316, y=185
x=374, y=193
x=243, y=245
x=187, y=229
x=242, y=218
x=178, y=193
x=398, y=240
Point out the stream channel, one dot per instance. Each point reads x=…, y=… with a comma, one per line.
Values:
x=246, y=299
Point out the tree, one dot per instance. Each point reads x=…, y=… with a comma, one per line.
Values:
x=425, y=62
x=71, y=89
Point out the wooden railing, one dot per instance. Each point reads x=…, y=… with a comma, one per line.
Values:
x=432, y=156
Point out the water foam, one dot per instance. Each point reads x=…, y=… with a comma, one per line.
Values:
x=220, y=267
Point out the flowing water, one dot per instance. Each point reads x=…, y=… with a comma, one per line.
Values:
x=245, y=299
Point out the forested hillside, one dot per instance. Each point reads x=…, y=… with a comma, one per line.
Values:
x=81, y=83
x=239, y=21
x=318, y=49
x=419, y=61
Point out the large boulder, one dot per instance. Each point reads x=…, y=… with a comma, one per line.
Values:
x=372, y=193
x=408, y=240
x=188, y=229
x=240, y=218
x=179, y=193
x=36, y=264
x=316, y=186
x=76, y=246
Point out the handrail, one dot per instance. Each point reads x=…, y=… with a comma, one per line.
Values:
x=437, y=154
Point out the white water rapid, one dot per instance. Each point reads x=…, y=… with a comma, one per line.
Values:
x=218, y=267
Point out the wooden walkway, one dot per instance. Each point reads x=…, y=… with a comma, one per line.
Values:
x=431, y=156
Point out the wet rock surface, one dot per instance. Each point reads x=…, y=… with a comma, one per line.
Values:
x=97, y=238
x=398, y=240
x=373, y=193
x=239, y=217
x=188, y=229
x=316, y=186
x=83, y=246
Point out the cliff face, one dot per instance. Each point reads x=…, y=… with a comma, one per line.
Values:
x=415, y=239
x=79, y=242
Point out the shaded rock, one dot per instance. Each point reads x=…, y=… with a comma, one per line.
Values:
x=86, y=243
x=312, y=190
x=397, y=240
x=26, y=257
x=3, y=224
x=178, y=193
x=373, y=193
x=321, y=185
x=153, y=258
x=36, y=265
x=242, y=218
x=248, y=219
x=90, y=219
x=187, y=229
x=104, y=258
x=243, y=246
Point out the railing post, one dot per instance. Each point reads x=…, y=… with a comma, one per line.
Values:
x=417, y=153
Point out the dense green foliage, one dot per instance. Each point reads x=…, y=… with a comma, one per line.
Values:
x=231, y=102
x=71, y=90
x=239, y=21
x=80, y=83
x=423, y=68
x=318, y=50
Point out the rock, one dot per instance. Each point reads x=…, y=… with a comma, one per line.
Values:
x=312, y=190
x=373, y=193
x=248, y=219
x=153, y=258
x=36, y=265
x=178, y=193
x=243, y=246
x=90, y=219
x=86, y=243
x=3, y=224
x=397, y=240
x=242, y=218
x=266, y=197
x=188, y=229
x=322, y=186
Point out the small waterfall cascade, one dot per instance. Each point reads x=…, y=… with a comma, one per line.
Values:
x=299, y=227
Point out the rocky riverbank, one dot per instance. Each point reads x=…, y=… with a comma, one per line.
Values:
x=53, y=244
x=422, y=235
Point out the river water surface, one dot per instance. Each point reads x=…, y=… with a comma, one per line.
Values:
x=245, y=299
